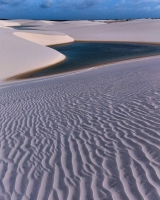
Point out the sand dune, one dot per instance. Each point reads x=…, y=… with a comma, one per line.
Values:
x=21, y=54
x=147, y=31
x=6, y=23
x=18, y=55
x=45, y=39
x=88, y=135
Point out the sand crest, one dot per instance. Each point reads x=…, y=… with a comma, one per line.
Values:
x=20, y=56
x=45, y=39
x=8, y=23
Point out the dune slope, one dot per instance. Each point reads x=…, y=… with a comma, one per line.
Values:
x=20, y=56
x=147, y=31
x=44, y=39
x=91, y=135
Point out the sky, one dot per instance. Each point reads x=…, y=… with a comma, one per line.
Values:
x=79, y=9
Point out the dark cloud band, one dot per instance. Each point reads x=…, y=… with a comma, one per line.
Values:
x=46, y=3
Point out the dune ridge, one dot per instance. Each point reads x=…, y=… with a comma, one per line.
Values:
x=44, y=39
x=20, y=56
x=7, y=23
x=91, y=135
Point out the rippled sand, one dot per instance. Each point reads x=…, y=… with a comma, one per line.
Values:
x=89, y=135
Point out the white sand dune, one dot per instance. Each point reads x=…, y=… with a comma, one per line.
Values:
x=8, y=23
x=88, y=135
x=20, y=56
x=21, y=52
x=45, y=39
x=147, y=31
x=143, y=30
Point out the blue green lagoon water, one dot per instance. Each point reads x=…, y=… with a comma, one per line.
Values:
x=81, y=55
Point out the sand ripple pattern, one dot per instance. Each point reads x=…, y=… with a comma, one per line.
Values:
x=92, y=135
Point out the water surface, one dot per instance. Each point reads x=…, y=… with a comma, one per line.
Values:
x=27, y=27
x=82, y=55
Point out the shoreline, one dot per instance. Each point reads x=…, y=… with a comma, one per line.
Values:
x=23, y=76
x=118, y=42
x=103, y=41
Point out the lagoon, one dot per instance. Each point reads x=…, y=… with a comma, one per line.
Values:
x=81, y=55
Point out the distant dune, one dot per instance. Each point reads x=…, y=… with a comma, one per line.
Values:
x=45, y=39
x=25, y=53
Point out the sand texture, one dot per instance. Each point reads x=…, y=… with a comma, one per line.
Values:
x=88, y=135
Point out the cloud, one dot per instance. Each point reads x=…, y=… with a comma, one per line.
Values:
x=43, y=3
x=157, y=7
x=9, y=2
x=137, y=4
x=78, y=4
x=85, y=3
x=3, y=2
x=148, y=1
x=46, y=3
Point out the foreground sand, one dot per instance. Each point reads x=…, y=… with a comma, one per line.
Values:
x=88, y=135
